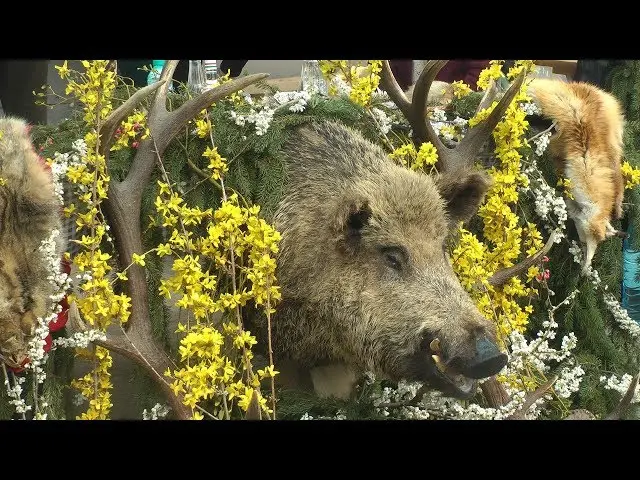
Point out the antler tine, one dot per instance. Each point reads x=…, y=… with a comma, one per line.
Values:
x=422, y=129
x=488, y=97
x=110, y=125
x=625, y=401
x=476, y=136
x=415, y=111
x=160, y=100
x=159, y=105
x=390, y=85
x=502, y=276
x=532, y=397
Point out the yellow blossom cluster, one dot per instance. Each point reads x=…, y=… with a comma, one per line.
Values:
x=235, y=246
x=363, y=80
x=566, y=184
x=98, y=304
x=203, y=124
x=132, y=131
x=631, y=175
x=236, y=98
x=504, y=240
x=93, y=88
x=217, y=165
x=416, y=160
x=492, y=72
x=460, y=89
x=95, y=385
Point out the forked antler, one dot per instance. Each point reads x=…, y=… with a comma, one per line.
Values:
x=415, y=111
x=123, y=206
x=464, y=153
x=497, y=396
x=532, y=398
x=502, y=276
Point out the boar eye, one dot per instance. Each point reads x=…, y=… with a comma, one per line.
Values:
x=395, y=257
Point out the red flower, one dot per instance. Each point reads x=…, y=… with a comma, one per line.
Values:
x=135, y=144
x=19, y=369
x=63, y=316
x=48, y=341
x=545, y=259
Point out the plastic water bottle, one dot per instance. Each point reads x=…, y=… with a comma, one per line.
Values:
x=156, y=71
x=210, y=72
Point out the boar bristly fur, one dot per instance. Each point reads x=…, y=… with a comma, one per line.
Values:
x=366, y=279
x=29, y=212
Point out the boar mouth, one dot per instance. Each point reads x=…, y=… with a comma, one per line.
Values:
x=450, y=381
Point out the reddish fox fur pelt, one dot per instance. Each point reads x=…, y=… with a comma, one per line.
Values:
x=587, y=150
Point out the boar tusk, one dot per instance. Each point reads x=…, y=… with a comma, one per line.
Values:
x=439, y=363
x=435, y=345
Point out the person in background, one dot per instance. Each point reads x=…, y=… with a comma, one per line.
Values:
x=466, y=70
x=595, y=72
x=403, y=71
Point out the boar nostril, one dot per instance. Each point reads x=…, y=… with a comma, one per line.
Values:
x=487, y=361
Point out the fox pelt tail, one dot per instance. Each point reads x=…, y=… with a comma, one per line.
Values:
x=590, y=125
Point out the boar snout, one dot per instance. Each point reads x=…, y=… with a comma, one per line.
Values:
x=488, y=360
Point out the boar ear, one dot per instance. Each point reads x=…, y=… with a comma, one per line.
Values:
x=463, y=191
x=352, y=215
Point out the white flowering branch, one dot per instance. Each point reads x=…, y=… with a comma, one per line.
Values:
x=631, y=395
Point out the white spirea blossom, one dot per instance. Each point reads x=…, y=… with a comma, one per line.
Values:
x=460, y=122
x=529, y=108
x=568, y=381
x=542, y=142
x=550, y=207
x=382, y=119
x=621, y=316
x=260, y=118
x=438, y=115
x=338, y=416
x=15, y=392
x=297, y=99
x=79, y=339
x=157, y=412
x=621, y=385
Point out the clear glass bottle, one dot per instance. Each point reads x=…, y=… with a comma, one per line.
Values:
x=196, y=79
x=210, y=72
x=311, y=78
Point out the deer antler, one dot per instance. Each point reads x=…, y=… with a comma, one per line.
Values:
x=497, y=396
x=464, y=152
x=415, y=112
x=625, y=401
x=123, y=206
x=532, y=397
x=502, y=276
